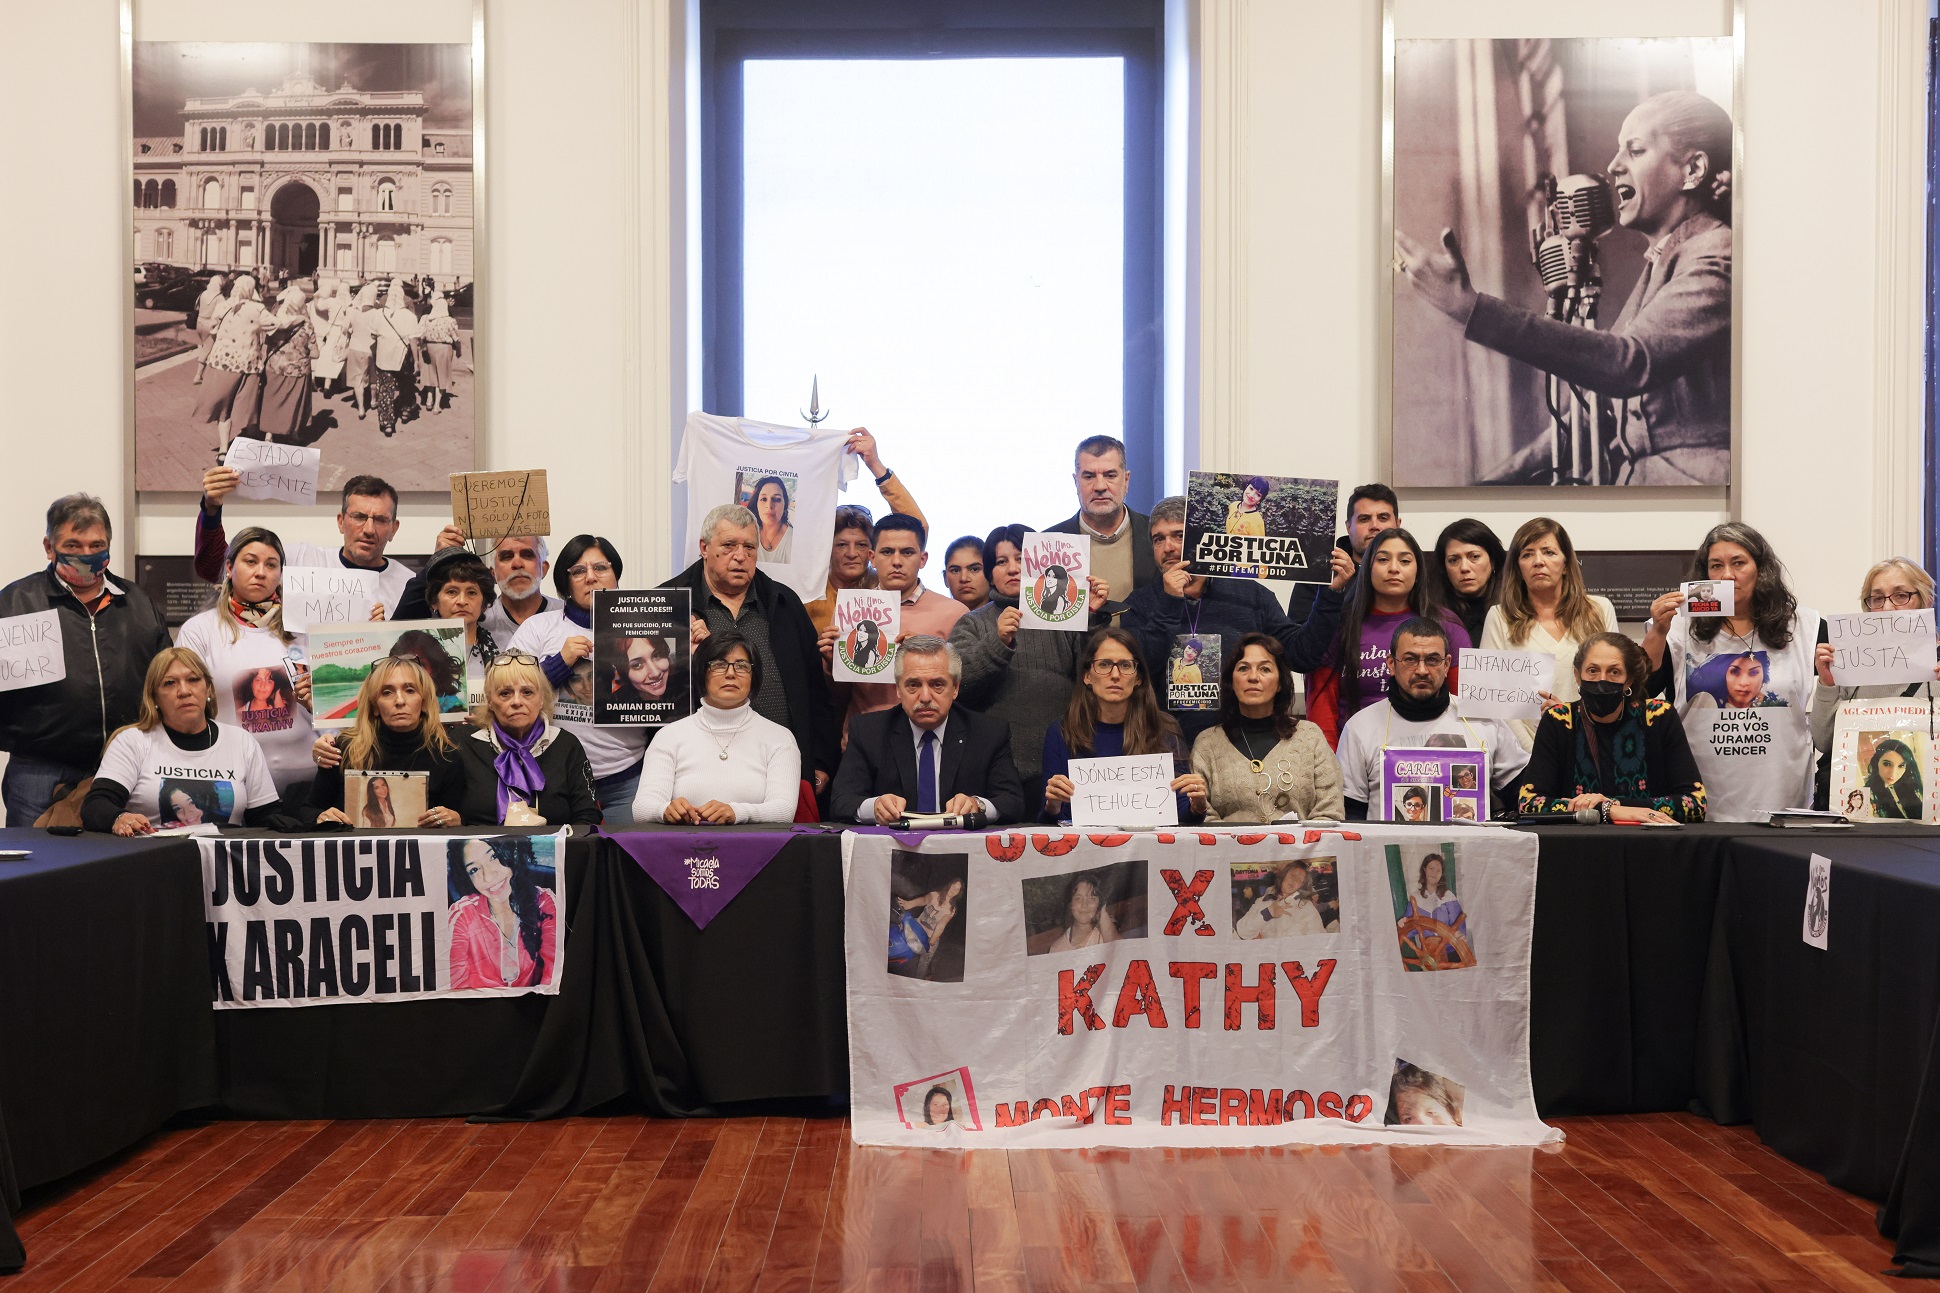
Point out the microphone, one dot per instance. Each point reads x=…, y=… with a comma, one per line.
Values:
x=970, y=821
x=1588, y=817
x=1576, y=210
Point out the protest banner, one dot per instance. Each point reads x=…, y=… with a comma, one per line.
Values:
x=494, y=504
x=1054, y=593
x=340, y=659
x=378, y=918
x=327, y=595
x=1504, y=684
x=642, y=653
x=867, y=623
x=1881, y=647
x=31, y=650
x=1885, y=762
x=1708, y=597
x=276, y=473
x=1240, y=526
x=1191, y=987
x=1434, y=784
x=1126, y=790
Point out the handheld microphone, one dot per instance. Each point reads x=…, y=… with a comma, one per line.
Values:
x=970, y=821
x=1588, y=817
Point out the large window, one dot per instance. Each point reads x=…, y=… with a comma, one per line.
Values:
x=957, y=231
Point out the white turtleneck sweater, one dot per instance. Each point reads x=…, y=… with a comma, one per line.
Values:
x=760, y=778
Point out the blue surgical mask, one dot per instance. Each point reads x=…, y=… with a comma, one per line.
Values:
x=83, y=567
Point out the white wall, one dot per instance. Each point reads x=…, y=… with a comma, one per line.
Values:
x=585, y=310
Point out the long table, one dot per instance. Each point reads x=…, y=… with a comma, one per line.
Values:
x=1667, y=972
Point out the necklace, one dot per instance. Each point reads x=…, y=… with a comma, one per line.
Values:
x=1255, y=762
x=732, y=734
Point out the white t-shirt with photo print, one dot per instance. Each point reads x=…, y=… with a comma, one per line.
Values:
x=171, y=786
x=283, y=730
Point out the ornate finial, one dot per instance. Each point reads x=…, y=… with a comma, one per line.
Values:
x=816, y=414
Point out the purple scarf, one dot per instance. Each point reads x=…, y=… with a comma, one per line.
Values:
x=518, y=770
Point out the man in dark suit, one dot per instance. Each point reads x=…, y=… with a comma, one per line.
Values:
x=925, y=755
x=1121, y=539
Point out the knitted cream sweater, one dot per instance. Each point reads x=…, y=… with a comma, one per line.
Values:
x=1298, y=775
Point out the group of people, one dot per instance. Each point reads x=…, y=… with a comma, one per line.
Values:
x=263, y=358
x=982, y=715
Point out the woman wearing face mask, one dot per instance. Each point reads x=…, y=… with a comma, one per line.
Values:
x=1023, y=678
x=397, y=729
x=1611, y=749
x=724, y=763
x=245, y=645
x=1112, y=711
x=1544, y=606
x=1468, y=565
x=1389, y=589
x=563, y=643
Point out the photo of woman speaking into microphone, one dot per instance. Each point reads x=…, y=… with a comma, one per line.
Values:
x=1562, y=262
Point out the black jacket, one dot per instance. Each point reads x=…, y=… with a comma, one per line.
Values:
x=881, y=760
x=1145, y=567
x=107, y=660
x=444, y=787
x=791, y=635
x=567, y=798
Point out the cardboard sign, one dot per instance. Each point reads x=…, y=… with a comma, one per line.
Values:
x=1241, y=526
x=1128, y=790
x=1881, y=647
x=1708, y=597
x=1054, y=593
x=1435, y=784
x=277, y=473
x=867, y=623
x=1818, y=901
x=642, y=653
x=30, y=650
x=1504, y=684
x=494, y=504
x=327, y=596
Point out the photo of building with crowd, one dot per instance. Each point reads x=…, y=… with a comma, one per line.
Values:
x=304, y=205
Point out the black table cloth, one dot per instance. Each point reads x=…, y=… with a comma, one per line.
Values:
x=105, y=1025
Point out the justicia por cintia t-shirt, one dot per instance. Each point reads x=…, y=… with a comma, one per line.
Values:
x=171, y=786
x=787, y=476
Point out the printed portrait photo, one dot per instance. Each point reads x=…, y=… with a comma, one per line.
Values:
x=1084, y=908
x=1892, y=783
x=943, y=1103
x=506, y=881
x=1430, y=924
x=264, y=700
x=192, y=801
x=377, y=800
x=1461, y=776
x=1415, y=803
x=1418, y=1098
x=1739, y=681
x=770, y=495
x=1297, y=898
x=927, y=915
x=649, y=669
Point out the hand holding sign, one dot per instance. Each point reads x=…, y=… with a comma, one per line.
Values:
x=867, y=623
x=1505, y=684
x=1130, y=790
x=31, y=650
x=279, y=473
x=1881, y=647
x=1054, y=591
x=325, y=595
x=1708, y=597
x=495, y=504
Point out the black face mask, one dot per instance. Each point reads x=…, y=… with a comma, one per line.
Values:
x=1603, y=697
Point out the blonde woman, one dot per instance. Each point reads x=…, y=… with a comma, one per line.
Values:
x=208, y=313
x=397, y=729
x=175, y=765
x=249, y=655
x=1895, y=584
x=1543, y=605
x=522, y=768
x=236, y=352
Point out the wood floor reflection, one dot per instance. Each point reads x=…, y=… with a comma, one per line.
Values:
x=782, y=1204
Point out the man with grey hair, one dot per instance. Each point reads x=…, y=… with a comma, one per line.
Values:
x=108, y=631
x=728, y=591
x=1121, y=542
x=925, y=755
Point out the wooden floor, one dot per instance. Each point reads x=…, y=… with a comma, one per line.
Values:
x=781, y=1204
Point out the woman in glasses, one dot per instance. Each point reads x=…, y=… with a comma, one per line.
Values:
x=397, y=729
x=724, y=763
x=563, y=642
x=522, y=768
x=1261, y=764
x=1112, y=712
x=1894, y=584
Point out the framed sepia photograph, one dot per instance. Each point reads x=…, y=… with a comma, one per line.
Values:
x=305, y=257
x=1562, y=272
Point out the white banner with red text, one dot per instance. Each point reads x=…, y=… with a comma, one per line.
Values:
x=1252, y=986
x=356, y=917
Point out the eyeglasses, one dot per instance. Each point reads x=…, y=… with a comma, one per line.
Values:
x=1116, y=667
x=586, y=568
x=513, y=657
x=365, y=518
x=1902, y=599
x=729, y=667
x=1423, y=661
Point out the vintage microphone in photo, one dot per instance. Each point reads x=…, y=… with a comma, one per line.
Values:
x=1575, y=211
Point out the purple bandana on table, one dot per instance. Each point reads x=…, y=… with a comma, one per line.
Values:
x=702, y=872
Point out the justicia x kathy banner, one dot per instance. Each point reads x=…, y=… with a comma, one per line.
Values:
x=320, y=920
x=1185, y=987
